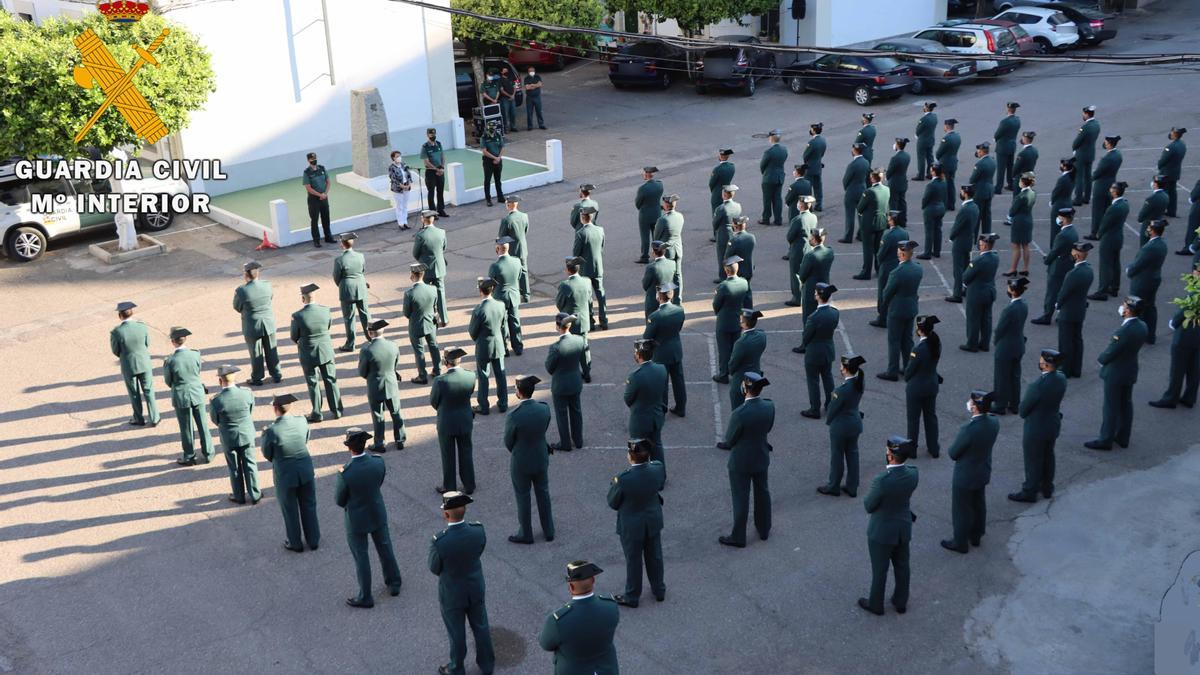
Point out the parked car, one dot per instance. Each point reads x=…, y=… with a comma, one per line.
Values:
x=967, y=37
x=932, y=65
x=554, y=57
x=1002, y=5
x=863, y=78
x=647, y=63
x=1050, y=28
x=464, y=82
x=26, y=234
x=1025, y=43
x=1093, y=26
x=738, y=67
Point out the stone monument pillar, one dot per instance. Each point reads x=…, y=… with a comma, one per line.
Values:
x=370, y=148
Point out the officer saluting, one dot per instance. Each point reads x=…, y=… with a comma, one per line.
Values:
x=722, y=175
x=349, y=269
x=749, y=460
x=285, y=446
x=310, y=331
x=972, y=455
x=529, y=464
x=1119, y=370
x=663, y=327
x=232, y=411
x=580, y=633
x=889, y=530
x=358, y=493
x=181, y=371
x=450, y=396
x=1043, y=421
x=253, y=301
x=1009, y=338
x=378, y=364
x=980, y=281
x=634, y=495
x=649, y=207
x=814, y=156
x=646, y=397
x=130, y=342
x=818, y=350
x=454, y=557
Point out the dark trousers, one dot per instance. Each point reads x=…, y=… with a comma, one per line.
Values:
x=568, y=415
x=350, y=311
x=299, y=506
x=435, y=186
x=818, y=191
x=1170, y=186
x=532, y=104
x=193, y=422
x=379, y=422
x=843, y=457
x=539, y=484
x=850, y=210
x=1006, y=378
x=263, y=348
x=1109, y=267
x=883, y=555
x=1150, y=317
x=362, y=560
x=1100, y=204
x=985, y=215
x=968, y=513
x=1004, y=172
x=1117, y=421
x=916, y=408
x=458, y=461
x=323, y=375
x=512, y=306
x=491, y=174
x=1070, y=344
x=818, y=377
x=952, y=191
x=1054, y=283
x=1083, y=181
x=794, y=284
x=318, y=208
x=649, y=549
x=924, y=158
x=243, y=472
x=772, y=194
x=898, y=201
x=645, y=231
x=456, y=619
x=959, y=259
x=140, y=386
x=725, y=340
x=900, y=343
x=1038, y=451
x=870, y=247
x=487, y=369
x=933, y=232
x=678, y=388
x=422, y=344
x=881, y=283
x=508, y=110
x=1185, y=365
x=722, y=237
x=600, y=300
x=979, y=323
x=440, y=285
x=741, y=485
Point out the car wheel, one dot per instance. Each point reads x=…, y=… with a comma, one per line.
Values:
x=1004, y=6
x=701, y=89
x=618, y=85
x=559, y=62
x=796, y=84
x=1044, y=46
x=862, y=96
x=26, y=243
x=750, y=86
x=155, y=221
x=918, y=86
x=665, y=81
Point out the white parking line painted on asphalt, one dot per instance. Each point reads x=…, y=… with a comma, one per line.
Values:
x=190, y=229
x=718, y=425
x=962, y=310
x=841, y=329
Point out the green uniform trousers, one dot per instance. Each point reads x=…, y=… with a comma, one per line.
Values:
x=139, y=387
x=299, y=507
x=794, y=278
x=458, y=461
x=489, y=369
x=379, y=424
x=441, y=298
x=917, y=407
x=1185, y=365
x=979, y=323
x=456, y=619
x=539, y=484
x=678, y=387
x=968, y=514
x=772, y=196
x=243, y=473
x=193, y=421
x=568, y=415
x=870, y=247
x=350, y=311
x=1108, y=270
x=421, y=345
x=1006, y=375
x=362, y=560
x=740, y=486
x=959, y=259
x=1038, y=451
x=725, y=340
x=264, y=349
x=599, y=298
x=513, y=316
x=645, y=232
x=323, y=375
x=883, y=555
x=1117, y=422
x=818, y=377
x=933, y=238
x=649, y=549
x=843, y=460
x=1070, y=345
x=900, y=343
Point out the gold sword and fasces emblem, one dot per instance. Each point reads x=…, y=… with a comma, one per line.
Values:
x=99, y=67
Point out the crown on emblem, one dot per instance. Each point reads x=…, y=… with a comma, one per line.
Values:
x=123, y=11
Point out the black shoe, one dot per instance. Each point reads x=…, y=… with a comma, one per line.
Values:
x=440, y=490
x=186, y=462
x=1024, y=273
x=728, y=541
x=968, y=348
x=137, y=423
x=587, y=379
x=677, y=411
x=379, y=449
x=444, y=670
x=976, y=542
x=862, y=277
x=1091, y=237
x=625, y=602
x=394, y=590
x=642, y=260
x=811, y=414
x=330, y=240
x=346, y=347
x=419, y=380
x=786, y=256
x=721, y=379
x=917, y=178
x=660, y=598
x=481, y=410
x=549, y=538
x=877, y=323
x=519, y=540
x=1183, y=251
x=793, y=303
x=558, y=447
x=722, y=445
x=899, y=609
x=489, y=202
x=934, y=453
x=1102, y=297
x=846, y=240
x=316, y=243
x=1022, y=497
x=502, y=409
x=799, y=350
x=235, y=500
x=399, y=445
x=890, y=377
x=313, y=418
x=826, y=490
x=955, y=299
x=1009, y=274
x=253, y=383
x=362, y=604
x=1162, y=403
x=949, y=546
x=925, y=256
x=848, y=492
x=818, y=209
x=1077, y=202
x=998, y=410
x=864, y=604
x=1041, y=321
x=763, y=222
x=541, y=127
x=443, y=214
x=1098, y=445
x=277, y=379
x=519, y=352
x=293, y=549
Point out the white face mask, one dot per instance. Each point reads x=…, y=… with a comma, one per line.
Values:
x=895, y=148
x=531, y=73
x=969, y=408
x=1121, y=311
x=1059, y=221
x=1152, y=186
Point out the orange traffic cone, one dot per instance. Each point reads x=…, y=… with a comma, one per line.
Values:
x=266, y=244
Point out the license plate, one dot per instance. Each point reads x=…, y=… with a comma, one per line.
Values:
x=962, y=70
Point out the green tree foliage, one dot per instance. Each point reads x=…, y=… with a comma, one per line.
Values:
x=42, y=108
x=694, y=15
x=481, y=37
x=1190, y=302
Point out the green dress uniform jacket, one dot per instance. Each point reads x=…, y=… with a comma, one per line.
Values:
x=722, y=175
x=310, y=331
x=1072, y=310
x=575, y=297
x=648, y=203
x=1060, y=198
x=1006, y=146
x=872, y=212
x=815, y=268
x=1020, y=216
x=669, y=230
x=450, y=396
x=819, y=353
x=1145, y=278
x=900, y=296
x=634, y=495
x=982, y=178
x=565, y=363
x=181, y=372
x=921, y=385
x=742, y=245
x=844, y=420
x=1009, y=340
x=529, y=464
x=1043, y=421
x=663, y=326
x=1026, y=161
x=589, y=245
x=727, y=304
x=926, y=128
x=1112, y=238
x=896, y=176
x=1084, y=147
x=660, y=271
x=1058, y=263
x=854, y=182
x=365, y=515
x=378, y=362
x=771, y=168
x=349, y=273
x=231, y=410
x=933, y=210
x=646, y=397
x=1119, y=370
x=285, y=446
x=962, y=240
x=746, y=356
x=253, y=301
x=576, y=221
x=515, y=224
x=814, y=156
x=1154, y=208
x=1170, y=164
x=749, y=461
x=506, y=272
x=420, y=308
x=889, y=532
x=980, y=281
x=799, y=187
x=972, y=455
x=886, y=261
x=722, y=224
x=489, y=330
x=866, y=136
x=799, y=231
x=454, y=556
x=1102, y=179
x=130, y=342
x=580, y=633
x=429, y=248
x=1185, y=363
x=947, y=155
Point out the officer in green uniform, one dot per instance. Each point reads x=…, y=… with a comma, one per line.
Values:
x=231, y=410
x=1145, y=276
x=648, y=203
x=669, y=230
x=130, y=342
x=1154, y=208
x=580, y=633
x=799, y=234
x=933, y=210
x=420, y=308
x=589, y=247
x=663, y=327
x=1009, y=339
x=979, y=280
x=982, y=177
x=529, y=460
x=1058, y=262
x=429, y=248
x=310, y=331
x=897, y=176
x=873, y=219
x=1185, y=360
x=515, y=225
x=721, y=175
x=817, y=347
x=866, y=136
x=349, y=269
x=489, y=330
x=1006, y=147
x=921, y=385
x=1102, y=179
x=844, y=420
x=358, y=492
x=800, y=187
x=926, y=128
x=585, y=199
x=814, y=269
x=1043, y=421
x=564, y=362
x=574, y=297
x=947, y=156
x=450, y=396
x=635, y=496
x=1072, y=310
x=741, y=245
x=972, y=455
x=506, y=272
x=771, y=168
x=181, y=371
x=660, y=271
x=728, y=302
x=379, y=365
x=749, y=460
x=889, y=530
x=646, y=397
x=1111, y=234
x=722, y=223
x=490, y=89
x=1170, y=165
x=746, y=355
x=854, y=182
x=886, y=261
x=491, y=146
x=1027, y=156
x=285, y=446
x=1060, y=194
x=1119, y=370
x=1084, y=149
x=814, y=156
x=900, y=296
x=316, y=185
x=434, y=159
x=253, y=301
x=454, y=557
x=962, y=233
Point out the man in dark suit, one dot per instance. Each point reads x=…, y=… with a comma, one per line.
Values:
x=972, y=455
x=900, y=296
x=1072, y=309
x=1040, y=408
x=1084, y=147
x=1119, y=370
x=454, y=557
x=749, y=460
x=1006, y=147
x=634, y=495
x=818, y=350
x=980, y=282
x=646, y=397
x=962, y=234
x=358, y=492
x=889, y=530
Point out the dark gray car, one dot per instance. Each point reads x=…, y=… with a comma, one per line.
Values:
x=933, y=66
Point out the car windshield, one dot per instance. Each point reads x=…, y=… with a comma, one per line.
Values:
x=1058, y=19
x=883, y=64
